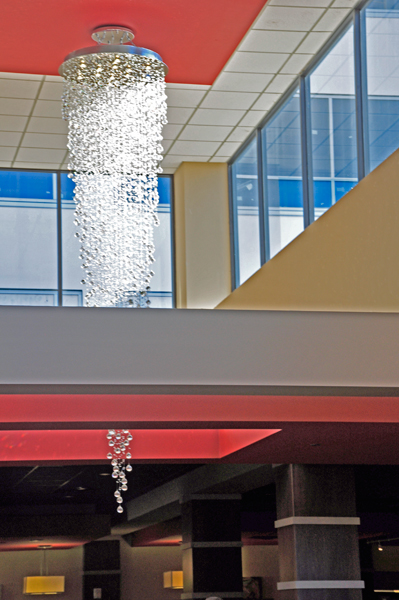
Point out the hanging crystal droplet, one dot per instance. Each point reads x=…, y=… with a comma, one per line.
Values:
x=119, y=440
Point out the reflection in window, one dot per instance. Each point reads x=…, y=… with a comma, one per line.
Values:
x=29, y=241
x=246, y=211
x=382, y=42
x=161, y=284
x=283, y=170
x=333, y=125
x=28, y=238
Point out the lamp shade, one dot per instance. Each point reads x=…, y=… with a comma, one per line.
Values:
x=44, y=585
x=173, y=580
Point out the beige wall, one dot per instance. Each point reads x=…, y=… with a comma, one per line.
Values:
x=202, y=236
x=142, y=572
x=262, y=561
x=14, y=566
x=348, y=260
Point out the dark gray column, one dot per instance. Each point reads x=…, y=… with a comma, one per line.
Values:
x=317, y=533
x=211, y=546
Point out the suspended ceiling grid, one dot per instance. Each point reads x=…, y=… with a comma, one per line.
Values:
x=205, y=123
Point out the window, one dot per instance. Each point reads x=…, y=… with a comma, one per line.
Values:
x=40, y=263
x=283, y=172
x=382, y=43
x=245, y=196
x=333, y=125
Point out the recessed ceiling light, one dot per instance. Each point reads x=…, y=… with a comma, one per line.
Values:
x=81, y=489
x=105, y=474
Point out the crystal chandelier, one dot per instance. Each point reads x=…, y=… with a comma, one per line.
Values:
x=115, y=104
x=119, y=441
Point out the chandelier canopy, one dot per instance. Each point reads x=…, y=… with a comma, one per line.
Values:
x=115, y=104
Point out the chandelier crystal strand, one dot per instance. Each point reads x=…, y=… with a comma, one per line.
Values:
x=119, y=442
x=115, y=104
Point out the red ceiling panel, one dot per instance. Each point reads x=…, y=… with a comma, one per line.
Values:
x=194, y=37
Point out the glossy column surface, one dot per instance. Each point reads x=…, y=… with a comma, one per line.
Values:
x=317, y=533
x=212, y=547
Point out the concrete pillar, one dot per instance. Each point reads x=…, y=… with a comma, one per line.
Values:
x=202, y=235
x=317, y=533
x=211, y=547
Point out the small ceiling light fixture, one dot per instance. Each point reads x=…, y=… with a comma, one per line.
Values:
x=119, y=442
x=115, y=103
x=380, y=548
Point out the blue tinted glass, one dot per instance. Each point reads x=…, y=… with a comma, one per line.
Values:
x=246, y=212
x=285, y=193
x=344, y=125
x=321, y=137
x=25, y=184
x=283, y=166
x=342, y=188
x=164, y=189
x=67, y=187
x=322, y=194
x=382, y=43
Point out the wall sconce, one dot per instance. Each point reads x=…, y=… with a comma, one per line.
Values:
x=173, y=580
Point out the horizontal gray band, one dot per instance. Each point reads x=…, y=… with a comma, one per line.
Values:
x=211, y=545
x=329, y=584
x=200, y=595
x=316, y=521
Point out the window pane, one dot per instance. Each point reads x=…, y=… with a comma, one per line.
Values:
x=246, y=209
x=283, y=168
x=333, y=123
x=161, y=285
x=382, y=39
x=28, y=238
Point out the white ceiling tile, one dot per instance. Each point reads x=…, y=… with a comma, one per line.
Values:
x=9, y=123
x=189, y=157
x=313, y=42
x=241, y=82
x=344, y=3
x=229, y=100
x=47, y=108
x=45, y=155
x=296, y=63
x=5, y=163
x=288, y=18
x=228, y=148
x=271, y=41
x=309, y=3
x=18, y=88
x=35, y=165
x=211, y=133
x=252, y=118
x=44, y=140
x=7, y=153
x=47, y=125
x=184, y=98
x=194, y=148
x=280, y=83
x=166, y=144
x=54, y=78
x=171, y=131
x=168, y=170
x=256, y=62
x=179, y=115
x=239, y=134
x=51, y=91
x=213, y=116
x=220, y=159
x=170, y=162
x=187, y=86
x=331, y=20
x=15, y=106
x=26, y=76
x=265, y=102
x=10, y=138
